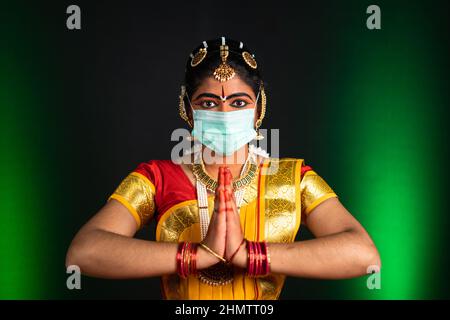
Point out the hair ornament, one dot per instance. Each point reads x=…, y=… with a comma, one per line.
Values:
x=224, y=71
x=249, y=59
x=200, y=55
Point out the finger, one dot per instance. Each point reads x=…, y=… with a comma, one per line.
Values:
x=232, y=209
x=229, y=208
x=231, y=175
x=227, y=176
x=221, y=179
x=228, y=181
x=228, y=200
x=233, y=205
x=219, y=187
x=230, y=205
x=229, y=188
x=217, y=193
x=222, y=202
x=218, y=215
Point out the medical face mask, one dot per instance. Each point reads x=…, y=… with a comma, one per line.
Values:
x=224, y=132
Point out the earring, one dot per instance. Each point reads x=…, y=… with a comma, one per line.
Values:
x=259, y=136
x=182, y=108
x=190, y=137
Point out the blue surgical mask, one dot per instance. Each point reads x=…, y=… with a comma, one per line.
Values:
x=224, y=132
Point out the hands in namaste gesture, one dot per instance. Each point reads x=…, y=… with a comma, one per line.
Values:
x=225, y=236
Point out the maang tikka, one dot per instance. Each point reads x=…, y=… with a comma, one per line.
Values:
x=224, y=71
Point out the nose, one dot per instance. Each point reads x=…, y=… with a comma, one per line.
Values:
x=224, y=107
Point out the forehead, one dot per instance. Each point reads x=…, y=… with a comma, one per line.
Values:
x=231, y=86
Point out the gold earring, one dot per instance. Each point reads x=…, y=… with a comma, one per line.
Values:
x=182, y=108
x=259, y=136
x=190, y=137
x=263, y=112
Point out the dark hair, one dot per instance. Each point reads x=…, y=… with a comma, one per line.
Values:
x=195, y=75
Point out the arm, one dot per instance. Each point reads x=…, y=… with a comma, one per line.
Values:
x=104, y=247
x=342, y=248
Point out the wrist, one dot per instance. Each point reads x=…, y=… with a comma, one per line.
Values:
x=205, y=259
x=240, y=259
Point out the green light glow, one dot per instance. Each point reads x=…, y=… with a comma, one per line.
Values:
x=19, y=198
x=384, y=136
x=23, y=238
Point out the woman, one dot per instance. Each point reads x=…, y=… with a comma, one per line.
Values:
x=224, y=237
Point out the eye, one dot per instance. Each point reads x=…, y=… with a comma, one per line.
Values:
x=208, y=104
x=239, y=103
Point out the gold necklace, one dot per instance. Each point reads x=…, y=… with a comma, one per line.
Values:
x=199, y=171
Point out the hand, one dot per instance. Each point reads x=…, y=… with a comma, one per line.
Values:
x=216, y=236
x=234, y=234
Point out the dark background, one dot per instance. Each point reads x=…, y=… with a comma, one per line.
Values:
x=366, y=109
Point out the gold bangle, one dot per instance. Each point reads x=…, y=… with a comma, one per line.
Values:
x=212, y=252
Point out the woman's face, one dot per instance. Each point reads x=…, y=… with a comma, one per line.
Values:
x=226, y=96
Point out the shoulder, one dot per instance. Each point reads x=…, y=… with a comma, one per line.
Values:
x=297, y=163
x=153, y=170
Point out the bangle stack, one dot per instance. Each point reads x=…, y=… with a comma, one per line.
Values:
x=187, y=259
x=258, y=263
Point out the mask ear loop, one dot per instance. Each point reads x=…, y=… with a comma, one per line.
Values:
x=189, y=100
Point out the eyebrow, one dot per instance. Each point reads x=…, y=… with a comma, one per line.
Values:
x=215, y=96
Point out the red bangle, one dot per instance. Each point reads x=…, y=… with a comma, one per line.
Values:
x=249, y=258
x=183, y=266
x=179, y=259
x=194, y=259
x=253, y=258
x=187, y=259
x=258, y=259
x=265, y=265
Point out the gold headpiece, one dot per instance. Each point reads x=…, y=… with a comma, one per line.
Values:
x=248, y=58
x=224, y=72
x=199, y=56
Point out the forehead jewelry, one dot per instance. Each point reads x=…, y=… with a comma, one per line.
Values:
x=224, y=71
